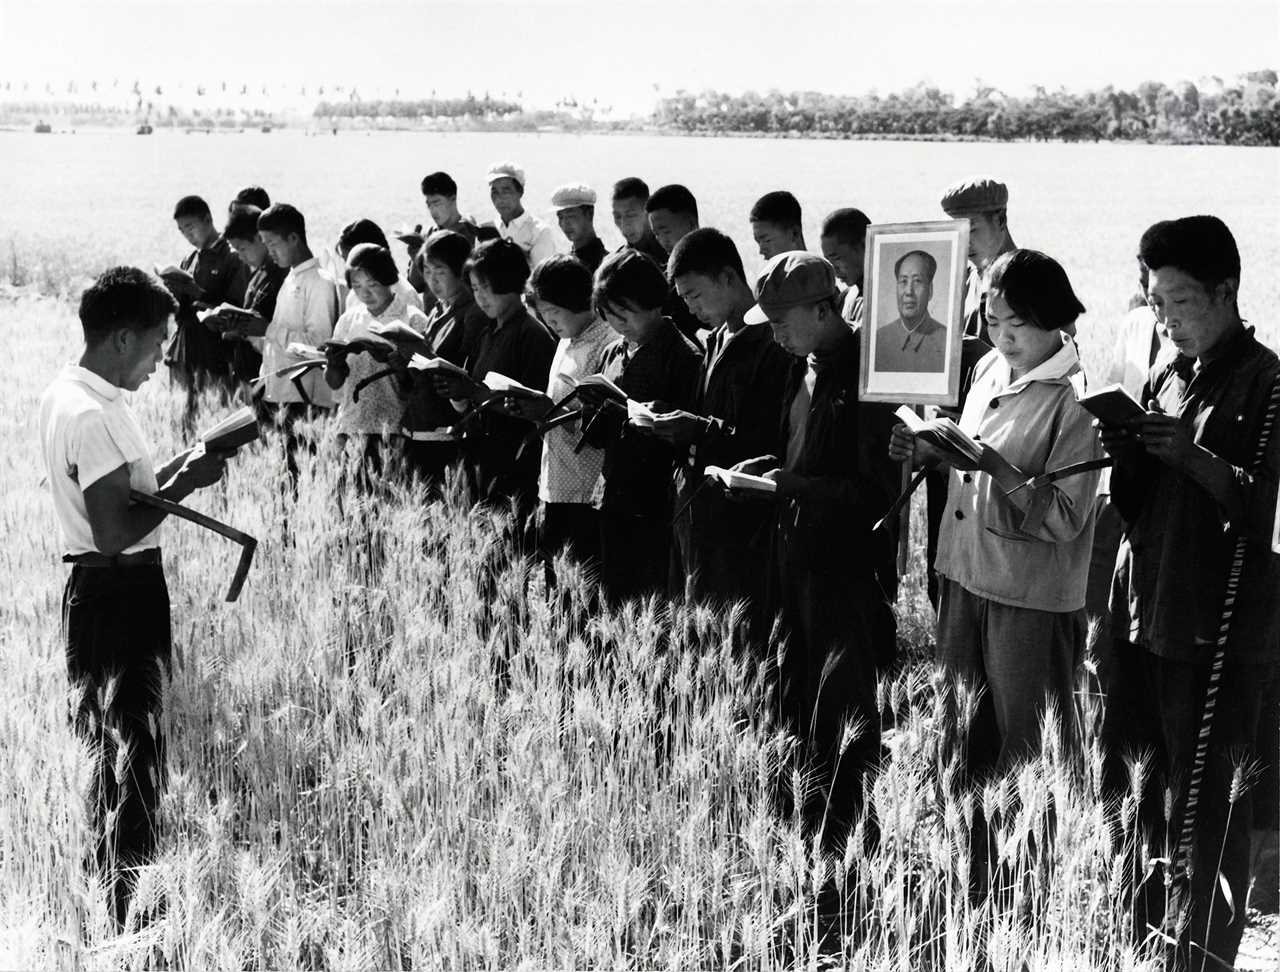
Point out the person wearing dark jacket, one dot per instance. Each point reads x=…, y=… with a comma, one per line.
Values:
x=830, y=571
x=514, y=344
x=654, y=365
x=721, y=544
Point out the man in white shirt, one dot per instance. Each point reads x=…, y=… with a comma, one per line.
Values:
x=116, y=604
x=306, y=311
x=506, y=191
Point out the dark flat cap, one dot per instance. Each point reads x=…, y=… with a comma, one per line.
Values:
x=970, y=196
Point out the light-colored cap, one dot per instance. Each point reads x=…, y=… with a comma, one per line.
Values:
x=970, y=197
x=505, y=170
x=791, y=279
x=571, y=195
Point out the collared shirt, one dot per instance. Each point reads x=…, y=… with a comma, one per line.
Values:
x=1039, y=558
x=221, y=277
x=536, y=238
x=349, y=300
x=922, y=347
x=568, y=476
x=306, y=310
x=217, y=271
x=453, y=331
x=1181, y=540
x=1140, y=342
x=380, y=407
x=87, y=431
x=263, y=287
x=851, y=305
x=591, y=255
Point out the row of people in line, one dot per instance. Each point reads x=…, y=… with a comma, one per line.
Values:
x=768, y=383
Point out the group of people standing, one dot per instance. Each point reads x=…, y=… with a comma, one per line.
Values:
x=662, y=359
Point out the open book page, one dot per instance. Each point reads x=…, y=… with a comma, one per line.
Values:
x=234, y=430
x=598, y=381
x=498, y=382
x=1112, y=405
x=422, y=363
x=732, y=479
x=640, y=414
x=942, y=432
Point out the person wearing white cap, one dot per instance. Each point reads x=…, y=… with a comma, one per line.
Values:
x=575, y=206
x=506, y=192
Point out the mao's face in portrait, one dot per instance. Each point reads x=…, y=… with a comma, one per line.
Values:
x=915, y=287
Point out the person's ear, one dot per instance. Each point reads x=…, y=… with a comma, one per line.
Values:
x=122, y=339
x=1227, y=291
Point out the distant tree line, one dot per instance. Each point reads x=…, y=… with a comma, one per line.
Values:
x=1244, y=112
x=468, y=107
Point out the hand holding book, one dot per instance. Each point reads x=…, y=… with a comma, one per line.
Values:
x=943, y=441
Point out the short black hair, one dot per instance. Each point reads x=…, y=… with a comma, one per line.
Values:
x=283, y=220
x=242, y=223
x=252, y=196
x=1036, y=288
x=192, y=206
x=847, y=225
x=1200, y=246
x=564, y=281
x=674, y=198
x=632, y=187
x=449, y=248
x=929, y=261
x=501, y=264
x=439, y=184
x=124, y=298
x=374, y=260
x=706, y=251
x=629, y=277
x=778, y=207
x=361, y=231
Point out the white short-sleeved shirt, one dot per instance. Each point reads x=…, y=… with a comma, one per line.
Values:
x=86, y=431
x=306, y=310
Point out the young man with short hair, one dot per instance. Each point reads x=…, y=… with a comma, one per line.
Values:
x=212, y=275
x=1189, y=486
x=721, y=545
x=630, y=196
x=833, y=577
x=777, y=224
x=575, y=206
x=985, y=204
x=440, y=193
x=844, y=246
x=673, y=214
x=305, y=312
x=506, y=192
x=254, y=196
x=116, y=604
x=259, y=297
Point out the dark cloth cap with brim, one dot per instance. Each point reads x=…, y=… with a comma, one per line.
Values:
x=791, y=279
x=969, y=197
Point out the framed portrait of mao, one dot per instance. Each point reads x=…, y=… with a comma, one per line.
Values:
x=913, y=312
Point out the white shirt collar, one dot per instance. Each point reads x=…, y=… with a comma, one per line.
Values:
x=95, y=382
x=303, y=267
x=1064, y=363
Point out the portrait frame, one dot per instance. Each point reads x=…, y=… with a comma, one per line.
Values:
x=886, y=374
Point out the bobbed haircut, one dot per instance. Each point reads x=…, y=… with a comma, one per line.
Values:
x=374, y=260
x=563, y=281
x=632, y=187
x=192, y=207
x=674, y=198
x=930, y=264
x=501, y=264
x=124, y=298
x=628, y=280
x=283, y=220
x=848, y=226
x=778, y=207
x=242, y=223
x=1036, y=288
x=448, y=248
x=1200, y=246
x=439, y=184
x=706, y=251
x=252, y=196
x=362, y=231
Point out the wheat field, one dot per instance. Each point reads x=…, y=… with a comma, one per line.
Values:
x=374, y=765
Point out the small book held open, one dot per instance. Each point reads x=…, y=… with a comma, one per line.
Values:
x=234, y=430
x=421, y=362
x=401, y=336
x=497, y=382
x=1112, y=405
x=943, y=433
x=598, y=382
x=747, y=482
x=640, y=414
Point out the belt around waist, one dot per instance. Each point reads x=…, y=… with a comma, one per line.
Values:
x=141, y=558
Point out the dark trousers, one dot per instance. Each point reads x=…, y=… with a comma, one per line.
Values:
x=116, y=622
x=721, y=573
x=836, y=626
x=285, y=416
x=573, y=527
x=429, y=460
x=1155, y=706
x=635, y=552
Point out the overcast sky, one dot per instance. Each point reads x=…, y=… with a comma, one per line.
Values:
x=625, y=53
